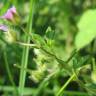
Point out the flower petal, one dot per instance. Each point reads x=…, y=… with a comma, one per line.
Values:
x=3, y=28
x=9, y=15
x=13, y=10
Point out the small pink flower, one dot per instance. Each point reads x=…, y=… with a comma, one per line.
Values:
x=9, y=15
x=4, y=28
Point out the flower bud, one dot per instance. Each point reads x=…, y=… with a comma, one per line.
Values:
x=9, y=34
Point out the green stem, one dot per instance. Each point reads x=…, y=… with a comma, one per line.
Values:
x=93, y=64
x=27, y=91
x=30, y=91
x=26, y=51
x=65, y=85
x=61, y=62
x=9, y=73
x=75, y=93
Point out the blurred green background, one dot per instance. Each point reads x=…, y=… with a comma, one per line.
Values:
x=61, y=17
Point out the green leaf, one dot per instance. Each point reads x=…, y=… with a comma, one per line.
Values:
x=87, y=29
x=49, y=36
x=37, y=39
x=80, y=61
x=91, y=88
x=49, y=33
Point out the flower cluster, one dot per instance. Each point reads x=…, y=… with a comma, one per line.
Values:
x=12, y=16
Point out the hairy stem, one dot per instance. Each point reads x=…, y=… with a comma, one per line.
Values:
x=65, y=85
x=9, y=73
x=25, y=54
